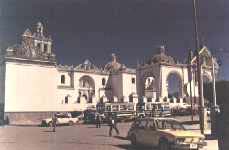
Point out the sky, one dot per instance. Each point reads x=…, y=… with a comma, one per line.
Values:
x=133, y=29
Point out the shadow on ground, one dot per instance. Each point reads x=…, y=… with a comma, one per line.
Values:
x=48, y=131
x=102, y=135
x=120, y=137
x=130, y=147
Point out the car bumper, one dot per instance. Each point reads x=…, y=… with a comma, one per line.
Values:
x=188, y=146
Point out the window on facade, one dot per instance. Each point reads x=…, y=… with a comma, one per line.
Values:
x=178, y=100
x=165, y=99
x=90, y=100
x=78, y=100
x=45, y=48
x=66, y=100
x=171, y=100
x=103, y=81
x=131, y=99
x=184, y=100
x=149, y=99
x=39, y=45
x=133, y=80
x=62, y=78
x=157, y=100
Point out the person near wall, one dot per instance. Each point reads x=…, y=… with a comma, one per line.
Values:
x=54, y=120
x=98, y=121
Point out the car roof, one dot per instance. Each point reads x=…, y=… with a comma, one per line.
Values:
x=158, y=118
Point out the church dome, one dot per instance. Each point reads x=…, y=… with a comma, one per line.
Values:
x=87, y=65
x=87, y=62
x=161, y=57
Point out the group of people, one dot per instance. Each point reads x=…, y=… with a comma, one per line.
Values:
x=112, y=123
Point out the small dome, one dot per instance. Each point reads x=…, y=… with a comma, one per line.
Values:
x=87, y=65
x=161, y=57
x=87, y=62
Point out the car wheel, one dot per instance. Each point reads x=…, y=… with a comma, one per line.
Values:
x=133, y=140
x=50, y=124
x=70, y=123
x=164, y=145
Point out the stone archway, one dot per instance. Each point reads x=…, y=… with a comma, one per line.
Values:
x=174, y=85
x=87, y=88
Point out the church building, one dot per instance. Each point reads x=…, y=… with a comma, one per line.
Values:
x=33, y=85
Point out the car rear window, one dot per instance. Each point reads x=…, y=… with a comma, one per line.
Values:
x=169, y=124
x=76, y=114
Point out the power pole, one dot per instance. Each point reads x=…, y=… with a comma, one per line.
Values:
x=190, y=82
x=199, y=71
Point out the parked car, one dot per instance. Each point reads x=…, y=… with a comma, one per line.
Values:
x=165, y=133
x=62, y=119
x=89, y=116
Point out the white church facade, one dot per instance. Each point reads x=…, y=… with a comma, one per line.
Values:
x=34, y=86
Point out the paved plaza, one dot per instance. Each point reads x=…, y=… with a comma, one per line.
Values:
x=77, y=137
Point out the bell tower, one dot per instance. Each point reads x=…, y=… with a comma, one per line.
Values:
x=41, y=42
x=36, y=45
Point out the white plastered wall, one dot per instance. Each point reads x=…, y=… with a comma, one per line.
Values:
x=30, y=88
x=128, y=87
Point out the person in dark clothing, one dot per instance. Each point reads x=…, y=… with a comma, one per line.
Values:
x=113, y=125
x=98, y=121
x=54, y=120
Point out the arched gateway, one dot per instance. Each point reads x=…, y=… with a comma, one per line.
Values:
x=164, y=77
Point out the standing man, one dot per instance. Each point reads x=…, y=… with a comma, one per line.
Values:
x=54, y=120
x=113, y=124
x=98, y=121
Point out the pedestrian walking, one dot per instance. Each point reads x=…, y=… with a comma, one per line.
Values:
x=98, y=121
x=54, y=120
x=113, y=125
